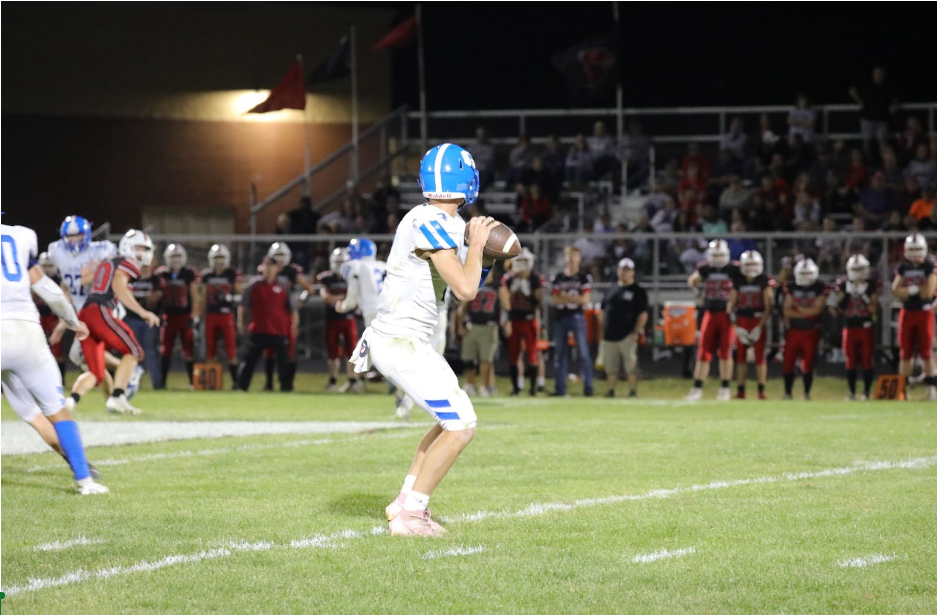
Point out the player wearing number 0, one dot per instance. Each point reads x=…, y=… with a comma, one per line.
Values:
x=915, y=285
x=32, y=383
x=718, y=277
x=752, y=298
x=220, y=283
x=109, y=286
x=855, y=296
x=182, y=307
x=423, y=262
x=803, y=304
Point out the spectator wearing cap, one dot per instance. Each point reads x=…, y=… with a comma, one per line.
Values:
x=623, y=319
x=268, y=305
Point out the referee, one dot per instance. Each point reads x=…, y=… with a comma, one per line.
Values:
x=273, y=318
x=625, y=314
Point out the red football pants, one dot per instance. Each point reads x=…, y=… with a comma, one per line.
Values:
x=105, y=331
x=523, y=329
x=341, y=337
x=858, y=345
x=915, y=328
x=800, y=343
x=224, y=326
x=715, y=336
x=760, y=355
x=174, y=326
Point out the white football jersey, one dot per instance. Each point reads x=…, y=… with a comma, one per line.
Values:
x=413, y=290
x=70, y=265
x=20, y=250
x=367, y=275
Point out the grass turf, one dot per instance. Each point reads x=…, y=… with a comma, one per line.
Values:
x=754, y=547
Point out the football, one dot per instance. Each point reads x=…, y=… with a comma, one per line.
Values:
x=502, y=243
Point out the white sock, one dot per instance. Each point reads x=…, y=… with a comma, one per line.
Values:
x=416, y=501
x=540, y=381
x=85, y=482
x=408, y=484
x=520, y=382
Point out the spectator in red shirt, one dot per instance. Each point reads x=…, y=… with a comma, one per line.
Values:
x=273, y=318
x=857, y=173
x=536, y=208
x=693, y=180
x=697, y=159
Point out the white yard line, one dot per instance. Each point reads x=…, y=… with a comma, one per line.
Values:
x=645, y=558
x=460, y=550
x=100, y=463
x=331, y=541
x=58, y=546
x=18, y=438
x=868, y=560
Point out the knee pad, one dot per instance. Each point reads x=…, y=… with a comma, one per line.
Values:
x=459, y=415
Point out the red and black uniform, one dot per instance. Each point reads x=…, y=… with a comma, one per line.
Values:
x=716, y=329
x=48, y=320
x=858, y=337
x=106, y=331
x=220, y=309
x=748, y=311
x=178, y=307
x=287, y=277
x=522, y=315
x=271, y=308
x=340, y=329
x=916, y=319
x=485, y=308
x=802, y=337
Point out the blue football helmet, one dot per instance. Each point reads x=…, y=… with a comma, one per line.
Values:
x=361, y=247
x=72, y=226
x=448, y=172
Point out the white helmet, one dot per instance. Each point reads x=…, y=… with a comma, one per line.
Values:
x=218, y=250
x=137, y=246
x=719, y=254
x=339, y=256
x=48, y=267
x=280, y=252
x=857, y=268
x=752, y=264
x=916, y=248
x=175, y=256
x=523, y=262
x=806, y=272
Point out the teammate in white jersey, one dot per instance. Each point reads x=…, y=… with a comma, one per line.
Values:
x=76, y=256
x=422, y=264
x=365, y=277
x=32, y=383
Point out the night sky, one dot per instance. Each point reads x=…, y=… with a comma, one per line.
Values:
x=498, y=55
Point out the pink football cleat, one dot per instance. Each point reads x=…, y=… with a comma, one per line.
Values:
x=415, y=523
x=393, y=508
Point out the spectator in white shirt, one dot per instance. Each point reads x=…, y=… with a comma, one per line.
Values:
x=802, y=119
x=603, y=149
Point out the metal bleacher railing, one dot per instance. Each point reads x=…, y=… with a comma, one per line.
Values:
x=659, y=268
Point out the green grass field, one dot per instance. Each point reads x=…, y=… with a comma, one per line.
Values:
x=558, y=506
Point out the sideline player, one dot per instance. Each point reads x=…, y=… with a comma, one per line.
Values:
x=220, y=283
x=751, y=302
x=364, y=275
x=181, y=307
x=521, y=293
x=804, y=300
x=340, y=327
x=715, y=336
x=290, y=274
x=109, y=286
x=32, y=383
x=915, y=285
x=480, y=335
x=423, y=262
x=855, y=296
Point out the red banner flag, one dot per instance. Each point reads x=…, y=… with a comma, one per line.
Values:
x=288, y=94
x=403, y=33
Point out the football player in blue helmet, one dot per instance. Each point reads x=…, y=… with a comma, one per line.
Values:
x=448, y=172
x=361, y=247
x=76, y=233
